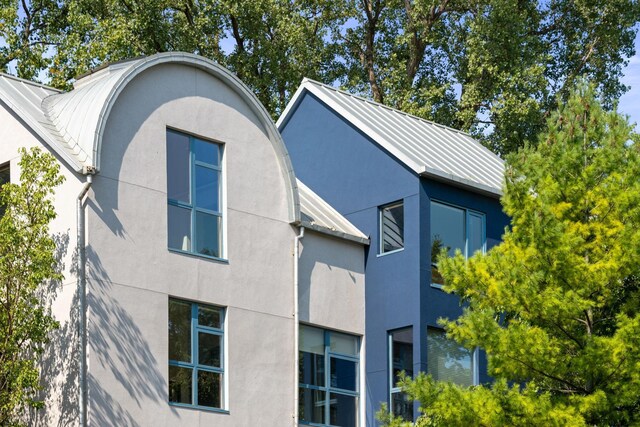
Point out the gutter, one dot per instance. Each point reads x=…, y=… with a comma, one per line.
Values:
x=296, y=323
x=82, y=291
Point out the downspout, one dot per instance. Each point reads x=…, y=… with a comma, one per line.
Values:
x=82, y=291
x=296, y=324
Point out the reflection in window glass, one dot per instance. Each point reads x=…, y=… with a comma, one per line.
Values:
x=196, y=365
x=392, y=227
x=447, y=360
x=401, y=359
x=452, y=229
x=193, y=194
x=328, y=366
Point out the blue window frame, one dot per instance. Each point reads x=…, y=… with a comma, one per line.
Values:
x=328, y=377
x=194, y=188
x=196, y=355
x=454, y=228
x=391, y=228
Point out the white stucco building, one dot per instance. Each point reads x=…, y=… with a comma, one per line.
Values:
x=219, y=289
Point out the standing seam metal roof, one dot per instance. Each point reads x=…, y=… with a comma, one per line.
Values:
x=428, y=148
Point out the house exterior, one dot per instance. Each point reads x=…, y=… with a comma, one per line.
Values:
x=414, y=187
x=204, y=284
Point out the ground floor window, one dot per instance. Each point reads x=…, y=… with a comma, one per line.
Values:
x=196, y=349
x=400, y=360
x=329, y=378
x=449, y=361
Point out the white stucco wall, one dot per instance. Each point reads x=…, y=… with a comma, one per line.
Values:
x=132, y=273
x=59, y=363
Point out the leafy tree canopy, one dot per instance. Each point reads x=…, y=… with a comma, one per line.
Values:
x=555, y=305
x=27, y=260
x=490, y=67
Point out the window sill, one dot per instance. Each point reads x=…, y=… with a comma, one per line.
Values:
x=196, y=255
x=390, y=252
x=199, y=408
x=437, y=286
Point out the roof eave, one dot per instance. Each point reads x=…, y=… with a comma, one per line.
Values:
x=460, y=182
x=333, y=233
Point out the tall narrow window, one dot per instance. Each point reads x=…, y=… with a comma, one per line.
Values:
x=448, y=361
x=194, y=174
x=400, y=360
x=4, y=178
x=328, y=376
x=391, y=227
x=196, y=363
x=454, y=228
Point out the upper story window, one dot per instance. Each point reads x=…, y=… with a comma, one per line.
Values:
x=449, y=361
x=328, y=378
x=194, y=182
x=4, y=178
x=196, y=349
x=391, y=227
x=454, y=228
x=400, y=360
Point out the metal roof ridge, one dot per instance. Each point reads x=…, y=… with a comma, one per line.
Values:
x=29, y=82
x=386, y=107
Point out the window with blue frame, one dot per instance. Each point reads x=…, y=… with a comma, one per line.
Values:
x=449, y=361
x=194, y=176
x=328, y=377
x=454, y=228
x=392, y=227
x=196, y=349
x=400, y=360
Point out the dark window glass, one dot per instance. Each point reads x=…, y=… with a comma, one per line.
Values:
x=180, y=384
x=392, y=224
x=209, y=349
x=207, y=234
x=209, y=389
x=402, y=406
x=343, y=410
x=401, y=360
x=344, y=374
x=311, y=406
x=179, y=331
x=210, y=316
x=311, y=370
x=4, y=178
x=178, y=167
x=179, y=221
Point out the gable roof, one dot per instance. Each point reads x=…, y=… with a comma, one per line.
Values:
x=318, y=215
x=427, y=148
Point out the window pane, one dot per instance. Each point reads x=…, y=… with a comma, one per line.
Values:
x=178, y=166
x=179, y=228
x=210, y=316
x=311, y=406
x=209, y=349
x=476, y=233
x=344, y=344
x=180, y=381
x=4, y=178
x=311, y=369
x=392, y=228
x=402, y=406
x=207, y=234
x=206, y=152
x=343, y=410
x=447, y=231
x=179, y=331
x=209, y=389
x=402, y=353
x=447, y=360
x=207, y=188
x=344, y=374
x=311, y=339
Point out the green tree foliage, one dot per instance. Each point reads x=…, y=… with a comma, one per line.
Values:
x=555, y=305
x=490, y=67
x=27, y=260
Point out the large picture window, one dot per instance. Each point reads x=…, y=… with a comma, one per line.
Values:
x=400, y=360
x=454, y=228
x=448, y=361
x=328, y=377
x=196, y=349
x=194, y=175
x=391, y=228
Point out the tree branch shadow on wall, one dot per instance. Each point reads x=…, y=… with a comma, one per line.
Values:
x=117, y=344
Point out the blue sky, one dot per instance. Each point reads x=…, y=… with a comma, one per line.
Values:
x=630, y=101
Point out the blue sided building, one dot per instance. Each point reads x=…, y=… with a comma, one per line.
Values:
x=413, y=186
